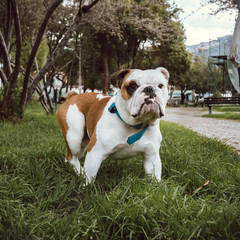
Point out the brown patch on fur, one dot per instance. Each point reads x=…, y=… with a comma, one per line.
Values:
x=120, y=76
x=91, y=107
x=92, y=118
x=124, y=90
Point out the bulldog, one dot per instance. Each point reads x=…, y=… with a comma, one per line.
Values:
x=117, y=127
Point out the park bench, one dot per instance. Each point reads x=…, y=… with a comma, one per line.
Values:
x=221, y=101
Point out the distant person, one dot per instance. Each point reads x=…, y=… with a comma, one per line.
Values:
x=186, y=100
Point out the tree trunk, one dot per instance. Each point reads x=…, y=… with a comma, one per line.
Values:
x=8, y=33
x=80, y=65
x=105, y=69
x=34, y=52
x=8, y=108
x=134, y=52
x=5, y=55
x=3, y=77
x=49, y=101
x=57, y=51
x=70, y=74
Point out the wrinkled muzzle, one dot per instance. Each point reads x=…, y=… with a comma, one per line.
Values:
x=148, y=103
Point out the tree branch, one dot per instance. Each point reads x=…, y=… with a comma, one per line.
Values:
x=60, y=46
x=3, y=77
x=86, y=8
x=8, y=34
x=5, y=54
x=35, y=48
x=65, y=65
x=13, y=77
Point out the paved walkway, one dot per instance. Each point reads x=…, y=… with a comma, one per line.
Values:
x=225, y=130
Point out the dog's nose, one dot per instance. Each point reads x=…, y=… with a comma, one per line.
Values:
x=149, y=91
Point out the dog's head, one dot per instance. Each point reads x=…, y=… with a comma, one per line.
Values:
x=143, y=94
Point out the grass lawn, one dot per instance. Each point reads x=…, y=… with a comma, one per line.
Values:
x=42, y=198
x=232, y=113
x=227, y=115
x=227, y=109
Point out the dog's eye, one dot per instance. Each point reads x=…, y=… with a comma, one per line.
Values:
x=160, y=85
x=133, y=86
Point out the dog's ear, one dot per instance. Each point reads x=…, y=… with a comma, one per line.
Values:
x=117, y=78
x=164, y=71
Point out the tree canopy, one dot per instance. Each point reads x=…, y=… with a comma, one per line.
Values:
x=86, y=41
x=224, y=5
x=120, y=29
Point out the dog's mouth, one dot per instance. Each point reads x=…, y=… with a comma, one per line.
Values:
x=150, y=107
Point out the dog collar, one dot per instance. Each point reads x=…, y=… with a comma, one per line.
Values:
x=132, y=139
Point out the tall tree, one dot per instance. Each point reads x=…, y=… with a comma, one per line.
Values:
x=122, y=26
x=10, y=33
x=198, y=76
x=171, y=54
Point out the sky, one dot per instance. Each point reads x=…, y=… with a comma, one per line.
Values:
x=201, y=26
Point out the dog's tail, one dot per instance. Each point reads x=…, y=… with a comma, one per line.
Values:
x=68, y=95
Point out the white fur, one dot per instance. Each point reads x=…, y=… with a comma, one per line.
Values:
x=143, y=78
x=112, y=133
x=100, y=96
x=76, y=124
x=112, y=143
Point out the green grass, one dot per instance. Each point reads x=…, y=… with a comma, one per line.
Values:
x=42, y=198
x=227, y=109
x=228, y=112
x=227, y=115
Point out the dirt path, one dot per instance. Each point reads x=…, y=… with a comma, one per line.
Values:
x=225, y=130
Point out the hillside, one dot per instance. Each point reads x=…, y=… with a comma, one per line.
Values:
x=202, y=49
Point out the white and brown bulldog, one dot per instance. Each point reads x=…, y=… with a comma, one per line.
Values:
x=117, y=127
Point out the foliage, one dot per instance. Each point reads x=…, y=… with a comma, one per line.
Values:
x=42, y=197
x=198, y=75
x=67, y=56
x=177, y=60
x=41, y=56
x=113, y=35
x=120, y=28
x=224, y=5
x=171, y=54
x=92, y=60
x=42, y=53
x=15, y=33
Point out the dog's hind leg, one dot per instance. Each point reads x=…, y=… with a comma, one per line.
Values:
x=74, y=136
x=85, y=142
